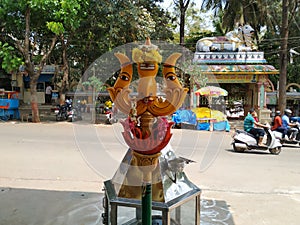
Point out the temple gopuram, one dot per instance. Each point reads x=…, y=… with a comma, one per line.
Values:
x=239, y=68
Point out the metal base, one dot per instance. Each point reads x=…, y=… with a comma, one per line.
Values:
x=176, y=188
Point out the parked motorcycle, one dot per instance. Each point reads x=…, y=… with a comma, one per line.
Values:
x=61, y=112
x=67, y=112
x=287, y=140
x=74, y=114
x=108, y=114
x=243, y=140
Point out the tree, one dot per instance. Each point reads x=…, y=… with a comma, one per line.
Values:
x=283, y=55
x=110, y=24
x=73, y=32
x=9, y=61
x=23, y=32
x=35, y=36
x=234, y=12
x=182, y=6
x=66, y=23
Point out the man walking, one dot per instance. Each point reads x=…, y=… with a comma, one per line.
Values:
x=48, y=94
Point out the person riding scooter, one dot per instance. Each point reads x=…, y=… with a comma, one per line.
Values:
x=249, y=126
x=277, y=125
x=292, y=128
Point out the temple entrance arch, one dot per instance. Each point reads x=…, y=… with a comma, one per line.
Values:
x=291, y=85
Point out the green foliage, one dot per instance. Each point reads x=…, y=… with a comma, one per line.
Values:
x=194, y=74
x=95, y=83
x=10, y=62
x=55, y=27
x=294, y=71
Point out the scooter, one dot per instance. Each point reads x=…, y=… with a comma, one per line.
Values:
x=61, y=112
x=287, y=140
x=74, y=114
x=243, y=141
x=67, y=112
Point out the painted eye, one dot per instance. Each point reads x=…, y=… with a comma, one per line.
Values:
x=124, y=77
x=171, y=77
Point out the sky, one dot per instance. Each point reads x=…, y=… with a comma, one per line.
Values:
x=167, y=4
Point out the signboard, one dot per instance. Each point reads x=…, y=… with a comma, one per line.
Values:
x=233, y=78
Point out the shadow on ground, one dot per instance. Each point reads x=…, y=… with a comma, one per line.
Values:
x=44, y=207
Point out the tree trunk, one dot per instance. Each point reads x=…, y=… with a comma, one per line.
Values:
x=182, y=5
x=65, y=79
x=34, y=99
x=181, y=29
x=283, y=56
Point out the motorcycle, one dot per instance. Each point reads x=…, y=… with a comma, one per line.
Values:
x=62, y=111
x=74, y=114
x=243, y=140
x=287, y=140
x=108, y=114
x=67, y=112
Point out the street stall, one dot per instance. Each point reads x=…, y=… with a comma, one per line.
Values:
x=200, y=118
x=9, y=105
x=211, y=120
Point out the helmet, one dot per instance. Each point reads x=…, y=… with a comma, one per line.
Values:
x=277, y=113
x=288, y=111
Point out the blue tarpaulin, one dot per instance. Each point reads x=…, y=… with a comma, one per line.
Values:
x=189, y=117
x=184, y=116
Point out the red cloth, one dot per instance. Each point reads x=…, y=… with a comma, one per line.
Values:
x=277, y=122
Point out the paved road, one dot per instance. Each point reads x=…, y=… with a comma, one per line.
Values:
x=52, y=173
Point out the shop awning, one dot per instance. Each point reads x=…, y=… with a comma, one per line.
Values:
x=45, y=77
x=236, y=69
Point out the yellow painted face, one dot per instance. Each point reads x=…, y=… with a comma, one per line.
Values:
x=147, y=69
x=125, y=75
x=170, y=76
x=169, y=71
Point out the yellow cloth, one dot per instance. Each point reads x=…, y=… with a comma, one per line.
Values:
x=204, y=112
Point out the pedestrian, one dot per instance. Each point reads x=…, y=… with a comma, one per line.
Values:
x=83, y=105
x=249, y=126
x=48, y=94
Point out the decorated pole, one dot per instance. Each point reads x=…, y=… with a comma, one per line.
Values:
x=146, y=130
x=147, y=204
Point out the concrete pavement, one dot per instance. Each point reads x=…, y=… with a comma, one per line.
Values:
x=48, y=177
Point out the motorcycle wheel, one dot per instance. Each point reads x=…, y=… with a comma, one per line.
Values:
x=57, y=118
x=237, y=149
x=275, y=151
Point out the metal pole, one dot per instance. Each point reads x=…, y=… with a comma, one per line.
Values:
x=147, y=204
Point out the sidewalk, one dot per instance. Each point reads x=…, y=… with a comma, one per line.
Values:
x=46, y=114
x=45, y=207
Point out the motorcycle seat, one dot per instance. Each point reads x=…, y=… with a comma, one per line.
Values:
x=244, y=132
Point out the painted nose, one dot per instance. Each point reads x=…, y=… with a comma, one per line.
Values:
x=147, y=87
